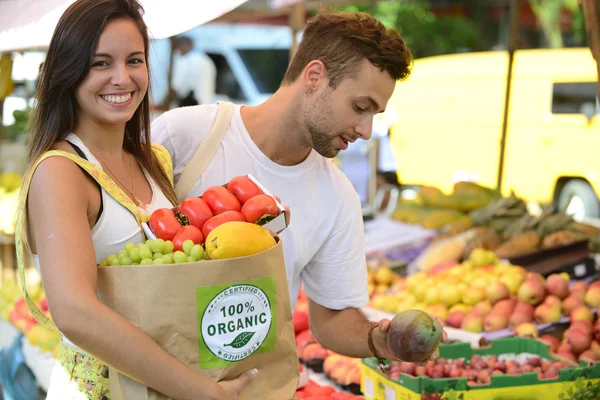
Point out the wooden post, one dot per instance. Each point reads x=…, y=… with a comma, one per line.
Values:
x=513, y=42
x=591, y=12
x=297, y=20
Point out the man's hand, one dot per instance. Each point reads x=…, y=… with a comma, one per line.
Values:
x=380, y=341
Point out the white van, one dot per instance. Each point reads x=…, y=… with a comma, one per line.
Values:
x=251, y=60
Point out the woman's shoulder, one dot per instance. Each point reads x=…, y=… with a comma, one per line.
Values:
x=57, y=172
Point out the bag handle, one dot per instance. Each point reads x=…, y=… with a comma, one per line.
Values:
x=205, y=152
x=103, y=180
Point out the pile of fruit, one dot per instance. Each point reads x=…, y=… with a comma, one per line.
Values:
x=381, y=279
x=483, y=294
x=10, y=183
x=490, y=222
x=225, y=222
x=14, y=310
x=478, y=370
x=444, y=289
x=240, y=200
x=433, y=209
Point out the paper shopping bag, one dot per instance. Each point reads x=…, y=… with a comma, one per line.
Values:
x=220, y=317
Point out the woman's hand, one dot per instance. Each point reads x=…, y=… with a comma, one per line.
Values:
x=232, y=388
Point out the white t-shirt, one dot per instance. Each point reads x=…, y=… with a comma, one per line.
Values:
x=195, y=71
x=324, y=243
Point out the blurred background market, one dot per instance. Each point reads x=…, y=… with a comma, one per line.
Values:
x=480, y=187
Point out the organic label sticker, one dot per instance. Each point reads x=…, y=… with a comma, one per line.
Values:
x=235, y=321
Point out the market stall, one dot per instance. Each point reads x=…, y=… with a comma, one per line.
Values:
x=516, y=286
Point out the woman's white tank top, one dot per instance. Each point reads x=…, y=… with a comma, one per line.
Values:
x=116, y=225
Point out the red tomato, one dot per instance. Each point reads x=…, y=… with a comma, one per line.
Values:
x=196, y=210
x=221, y=219
x=164, y=223
x=188, y=232
x=300, y=394
x=243, y=188
x=258, y=206
x=220, y=200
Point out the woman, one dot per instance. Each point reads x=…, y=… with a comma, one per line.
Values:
x=93, y=104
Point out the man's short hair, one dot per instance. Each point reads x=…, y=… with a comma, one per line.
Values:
x=342, y=41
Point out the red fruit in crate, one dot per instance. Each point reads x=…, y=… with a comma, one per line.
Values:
x=567, y=355
x=310, y=386
x=551, y=341
x=305, y=337
x=196, y=210
x=260, y=206
x=557, y=285
x=322, y=391
x=534, y=362
x=584, y=325
x=582, y=313
x=570, y=303
x=300, y=394
x=217, y=220
x=578, y=340
x=243, y=188
x=164, y=223
x=455, y=318
x=300, y=321
x=589, y=356
x=189, y=232
x=220, y=200
x=407, y=368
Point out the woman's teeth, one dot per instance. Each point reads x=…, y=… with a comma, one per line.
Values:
x=117, y=99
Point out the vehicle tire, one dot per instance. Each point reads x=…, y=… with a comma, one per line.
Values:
x=581, y=194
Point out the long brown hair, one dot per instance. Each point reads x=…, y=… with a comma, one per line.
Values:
x=343, y=40
x=67, y=64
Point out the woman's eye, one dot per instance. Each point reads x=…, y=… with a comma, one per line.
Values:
x=100, y=64
x=136, y=61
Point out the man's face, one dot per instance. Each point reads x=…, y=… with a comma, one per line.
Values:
x=336, y=117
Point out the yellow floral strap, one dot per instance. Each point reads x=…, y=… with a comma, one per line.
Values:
x=164, y=158
x=104, y=181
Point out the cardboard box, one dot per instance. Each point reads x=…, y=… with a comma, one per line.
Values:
x=276, y=225
x=376, y=386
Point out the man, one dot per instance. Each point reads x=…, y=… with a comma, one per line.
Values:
x=194, y=75
x=343, y=74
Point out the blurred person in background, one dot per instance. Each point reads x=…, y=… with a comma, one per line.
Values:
x=194, y=74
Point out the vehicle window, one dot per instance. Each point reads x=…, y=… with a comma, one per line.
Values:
x=574, y=98
x=227, y=84
x=267, y=67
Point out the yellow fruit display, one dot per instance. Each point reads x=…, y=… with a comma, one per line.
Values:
x=43, y=337
x=450, y=295
x=384, y=276
x=237, y=239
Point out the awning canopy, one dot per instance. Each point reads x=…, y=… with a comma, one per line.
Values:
x=29, y=24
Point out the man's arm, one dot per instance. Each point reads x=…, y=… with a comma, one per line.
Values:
x=342, y=331
x=346, y=332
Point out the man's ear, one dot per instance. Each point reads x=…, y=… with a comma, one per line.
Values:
x=314, y=75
